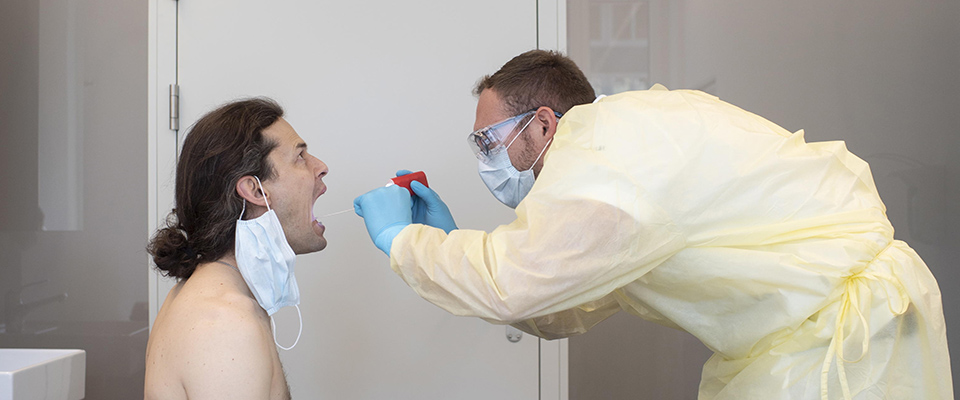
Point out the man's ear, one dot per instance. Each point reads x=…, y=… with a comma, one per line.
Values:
x=548, y=120
x=250, y=190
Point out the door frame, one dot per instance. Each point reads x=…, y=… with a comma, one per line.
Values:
x=161, y=140
x=554, y=354
x=162, y=151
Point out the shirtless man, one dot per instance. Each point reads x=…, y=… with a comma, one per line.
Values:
x=212, y=338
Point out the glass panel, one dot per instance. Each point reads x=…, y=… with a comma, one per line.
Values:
x=881, y=76
x=73, y=150
x=610, y=41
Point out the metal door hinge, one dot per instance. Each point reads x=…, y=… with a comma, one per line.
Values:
x=174, y=107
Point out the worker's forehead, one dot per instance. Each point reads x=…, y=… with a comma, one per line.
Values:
x=490, y=109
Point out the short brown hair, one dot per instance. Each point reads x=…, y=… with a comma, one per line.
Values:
x=539, y=78
x=223, y=146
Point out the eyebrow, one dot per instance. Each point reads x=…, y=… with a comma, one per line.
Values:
x=301, y=145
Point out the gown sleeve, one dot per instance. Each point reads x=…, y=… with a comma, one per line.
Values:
x=586, y=228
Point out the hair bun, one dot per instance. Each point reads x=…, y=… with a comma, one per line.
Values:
x=172, y=253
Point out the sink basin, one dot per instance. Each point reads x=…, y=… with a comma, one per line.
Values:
x=42, y=374
x=115, y=351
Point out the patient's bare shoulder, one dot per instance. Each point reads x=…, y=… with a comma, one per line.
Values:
x=230, y=354
x=212, y=340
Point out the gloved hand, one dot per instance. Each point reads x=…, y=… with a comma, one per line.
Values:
x=428, y=208
x=385, y=212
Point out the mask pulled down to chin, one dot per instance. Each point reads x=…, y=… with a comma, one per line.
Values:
x=266, y=262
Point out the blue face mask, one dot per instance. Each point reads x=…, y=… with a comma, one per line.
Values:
x=506, y=183
x=266, y=260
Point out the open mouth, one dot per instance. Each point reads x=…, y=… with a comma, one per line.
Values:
x=315, y=223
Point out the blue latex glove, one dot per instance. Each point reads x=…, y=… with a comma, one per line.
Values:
x=385, y=212
x=428, y=208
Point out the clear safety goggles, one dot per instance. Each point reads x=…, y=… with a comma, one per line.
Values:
x=488, y=141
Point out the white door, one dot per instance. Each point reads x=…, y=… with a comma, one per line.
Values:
x=372, y=87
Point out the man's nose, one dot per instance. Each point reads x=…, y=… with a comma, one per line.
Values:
x=321, y=168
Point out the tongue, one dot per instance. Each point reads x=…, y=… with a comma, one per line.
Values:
x=315, y=223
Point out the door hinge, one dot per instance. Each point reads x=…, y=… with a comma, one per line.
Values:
x=174, y=107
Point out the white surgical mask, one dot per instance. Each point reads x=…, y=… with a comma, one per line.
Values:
x=265, y=261
x=506, y=183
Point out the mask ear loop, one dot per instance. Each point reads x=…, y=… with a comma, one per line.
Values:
x=273, y=327
x=541, y=154
x=264, y=193
x=521, y=131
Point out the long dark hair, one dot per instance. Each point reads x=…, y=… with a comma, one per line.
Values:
x=223, y=146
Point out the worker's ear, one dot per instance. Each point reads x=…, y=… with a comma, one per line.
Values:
x=548, y=121
x=249, y=189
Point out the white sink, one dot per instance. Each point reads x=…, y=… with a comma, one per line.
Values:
x=42, y=374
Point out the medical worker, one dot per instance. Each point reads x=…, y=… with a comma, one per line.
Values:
x=683, y=210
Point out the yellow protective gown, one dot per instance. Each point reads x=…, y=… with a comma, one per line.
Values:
x=695, y=214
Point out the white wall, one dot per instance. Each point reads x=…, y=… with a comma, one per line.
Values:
x=883, y=75
x=372, y=88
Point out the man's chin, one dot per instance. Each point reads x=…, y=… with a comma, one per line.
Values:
x=312, y=246
x=319, y=229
